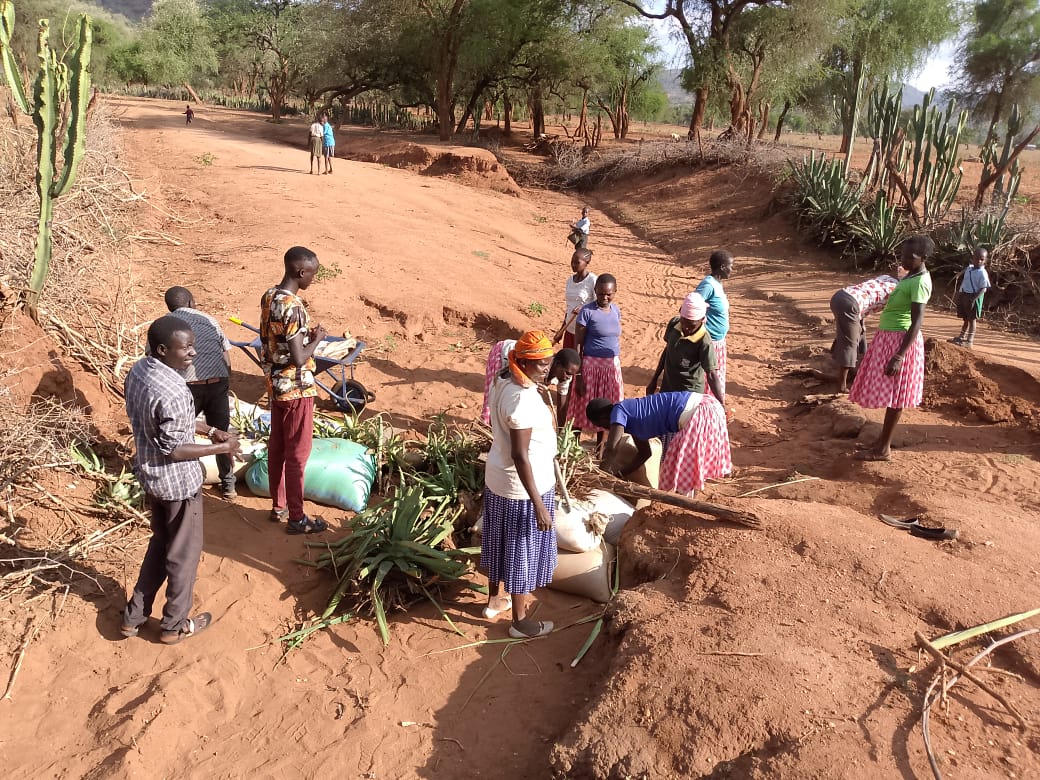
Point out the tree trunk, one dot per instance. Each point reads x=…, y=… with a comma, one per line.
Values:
x=445, y=110
x=763, y=119
x=537, y=112
x=780, y=121
x=583, y=117
x=507, y=111
x=191, y=92
x=700, y=105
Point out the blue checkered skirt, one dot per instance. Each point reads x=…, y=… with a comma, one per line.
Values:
x=513, y=550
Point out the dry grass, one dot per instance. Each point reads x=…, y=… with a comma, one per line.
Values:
x=85, y=303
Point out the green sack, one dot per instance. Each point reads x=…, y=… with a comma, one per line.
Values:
x=339, y=473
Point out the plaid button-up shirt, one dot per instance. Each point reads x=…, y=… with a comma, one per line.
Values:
x=162, y=415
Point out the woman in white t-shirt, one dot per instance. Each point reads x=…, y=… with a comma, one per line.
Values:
x=581, y=289
x=519, y=541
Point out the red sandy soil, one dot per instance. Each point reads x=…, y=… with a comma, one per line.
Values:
x=782, y=652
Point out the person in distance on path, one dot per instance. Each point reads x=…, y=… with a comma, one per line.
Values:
x=580, y=230
x=974, y=284
x=328, y=145
x=162, y=416
x=315, y=142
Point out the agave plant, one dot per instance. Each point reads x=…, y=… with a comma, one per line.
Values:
x=390, y=557
x=878, y=229
x=827, y=201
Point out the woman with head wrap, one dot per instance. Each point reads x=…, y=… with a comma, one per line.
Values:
x=565, y=366
x=696, y=423
x=688, y=360
x=519, y=543
x=597, y=338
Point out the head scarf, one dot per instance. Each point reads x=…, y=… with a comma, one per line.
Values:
x=694, y=307
x=533, y=345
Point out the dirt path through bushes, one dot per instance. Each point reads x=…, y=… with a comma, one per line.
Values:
x=433, y=269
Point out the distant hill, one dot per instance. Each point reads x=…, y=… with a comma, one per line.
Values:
x=668, y=78
x=134, y=10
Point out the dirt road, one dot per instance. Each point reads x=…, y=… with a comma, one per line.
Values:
x=430, y=270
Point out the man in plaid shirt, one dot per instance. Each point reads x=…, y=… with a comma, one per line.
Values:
x=162, y=415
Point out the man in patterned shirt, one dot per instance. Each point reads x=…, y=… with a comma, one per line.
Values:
x=288, y=344
x=207, y=376
x=162, y=415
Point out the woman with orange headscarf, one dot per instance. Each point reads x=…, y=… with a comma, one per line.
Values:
x=519, y=542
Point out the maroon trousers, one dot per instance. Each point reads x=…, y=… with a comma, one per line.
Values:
x=292, y=431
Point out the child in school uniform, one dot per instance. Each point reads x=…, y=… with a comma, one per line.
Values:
x=969, y=298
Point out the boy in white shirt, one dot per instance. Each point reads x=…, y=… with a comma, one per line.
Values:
x=314, y=142
x=580, y=230
x=969, y=296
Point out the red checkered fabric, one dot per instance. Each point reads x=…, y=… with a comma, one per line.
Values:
x=873, y=390
x=699, y=451
x=602, y=380
x=496, y=361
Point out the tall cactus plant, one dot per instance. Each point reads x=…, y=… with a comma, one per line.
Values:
x=56, y=83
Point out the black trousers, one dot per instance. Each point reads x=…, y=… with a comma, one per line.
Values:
x=172, y=557
x=211, y=401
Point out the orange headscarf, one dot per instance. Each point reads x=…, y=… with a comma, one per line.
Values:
x=533, y=345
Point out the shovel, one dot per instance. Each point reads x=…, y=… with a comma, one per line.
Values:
x=913, y=525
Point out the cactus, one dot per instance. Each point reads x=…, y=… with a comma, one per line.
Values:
x=995, y=166
x=56, y=83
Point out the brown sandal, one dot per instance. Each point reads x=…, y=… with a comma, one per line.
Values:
x=190, y=627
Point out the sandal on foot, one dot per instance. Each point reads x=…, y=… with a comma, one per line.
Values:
x=491, y=612
x=543, y=629
x=278, y=515
x=190, y=627
x=306, y=525
x=129, y=631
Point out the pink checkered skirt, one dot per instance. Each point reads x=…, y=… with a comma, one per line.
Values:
x=495, y=363
x=873, y=390
x=699, y=451
x=720, y=357
x=602, y=380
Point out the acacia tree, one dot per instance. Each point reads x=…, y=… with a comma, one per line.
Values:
x=279, y=31
x=776, y=55
x=882, y=41
x=999, y=59
x=176, y=47
x=705, y=26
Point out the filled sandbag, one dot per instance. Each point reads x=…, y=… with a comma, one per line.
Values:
x=573, y=531
x=588, y=574
x=616, y=509
x=649, y=474
x=209, y=463
x=339, y=473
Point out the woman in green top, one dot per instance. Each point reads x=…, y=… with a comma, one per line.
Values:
x=688, y=361
x=891, y=376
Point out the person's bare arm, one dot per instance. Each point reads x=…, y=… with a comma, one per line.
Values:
x=300, y=354
x=579, y=344
x=652, y=387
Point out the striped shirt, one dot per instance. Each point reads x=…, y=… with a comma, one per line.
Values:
x=210, y=346
x=162, y=415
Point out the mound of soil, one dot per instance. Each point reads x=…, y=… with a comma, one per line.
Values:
x=470, y=165
x=961, y=381
x=780, y=653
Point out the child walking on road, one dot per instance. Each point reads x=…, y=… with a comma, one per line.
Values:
x=969, y=297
